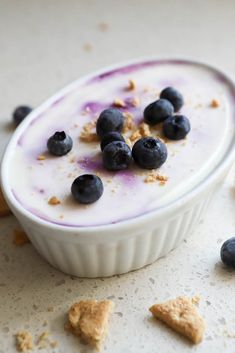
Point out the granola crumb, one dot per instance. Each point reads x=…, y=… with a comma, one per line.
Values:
x=135, y=101
x=20, y=237
x=131, y=85
x=54, y=201
x=215, y=103
x=119, y=103
x=88, y=319
x=88, y=134
x=135, y=136
x=42, y=340
x=87, y=47
x=24, y=341
x=153, y=177
x=129, y=122
x=41, y=157
x=142, y=131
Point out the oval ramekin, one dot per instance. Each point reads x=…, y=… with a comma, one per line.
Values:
x=125, y=246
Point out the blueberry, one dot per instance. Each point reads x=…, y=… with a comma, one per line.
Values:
x=87, y=188
x=149, y=153
x=176, y=127
x=20, y=113
x=227, y=252
x=173, y=96
x=111, y=137
x=158, y=111
x=116, y=156
x=109, y=120
x=59, y=144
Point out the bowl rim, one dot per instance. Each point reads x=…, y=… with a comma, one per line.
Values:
x=138, y=220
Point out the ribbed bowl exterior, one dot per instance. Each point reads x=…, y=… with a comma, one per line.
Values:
x=120, y=254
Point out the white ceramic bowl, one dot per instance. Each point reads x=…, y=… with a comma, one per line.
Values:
x=121, y=247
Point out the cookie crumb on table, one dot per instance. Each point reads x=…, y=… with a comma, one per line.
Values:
x=54, y=201
x=20, y=237
x=24, y=341
x=181, y=315
x=215, y=103
x=4, y=209
x=88, y=134
x=88, y=319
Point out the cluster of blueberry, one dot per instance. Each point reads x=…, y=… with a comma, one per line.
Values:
x=175, y=127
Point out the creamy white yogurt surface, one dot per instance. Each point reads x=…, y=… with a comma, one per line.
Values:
x=126, y=194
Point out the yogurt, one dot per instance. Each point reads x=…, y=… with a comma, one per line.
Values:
x=36, y=177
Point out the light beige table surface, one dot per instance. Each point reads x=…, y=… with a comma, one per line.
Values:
x=46, y=44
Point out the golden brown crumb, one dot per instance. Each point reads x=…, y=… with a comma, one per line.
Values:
x=42, y=341
x=87, y=47
x=152, y=177
x=24, y=341
x=89, y=320
x=41, y=157
x=135, y=101
x=103, y=26
x=88, y=134
x=129, y=122
x=119, y=103
x=4, y=209
x=142, y=131
x=181, y=315
x=135, y=136
x=215, y=103
x=131, y=85
x=50, y=308
x=54, y=201
x=20, y=238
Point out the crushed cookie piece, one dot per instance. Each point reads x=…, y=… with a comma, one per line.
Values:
x=103, y=26
x=20, y=237
x=87, y=47
x=88, y=319
x=129, y=122
x=142, y=131
x=42, y=341
x=181, y=315
x=152, y=177
x=54, y=344
x=135, y=136
x=4, y=209
x=88, y=134
x=131, y=85
x=24, y=341
x=119, y=103
x=54, y=201
x=41, y=157
x=215, y=103
x=135, y=102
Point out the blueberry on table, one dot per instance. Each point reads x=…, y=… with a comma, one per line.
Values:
x=20, y=113
x=176, y=127
x=109, y=120
x=59, y=144
x=87, y=188
x=158, y=111
x=111, y=137
x=149, y=153
x=173, y=96
x=117, y=156
x=227, y=252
